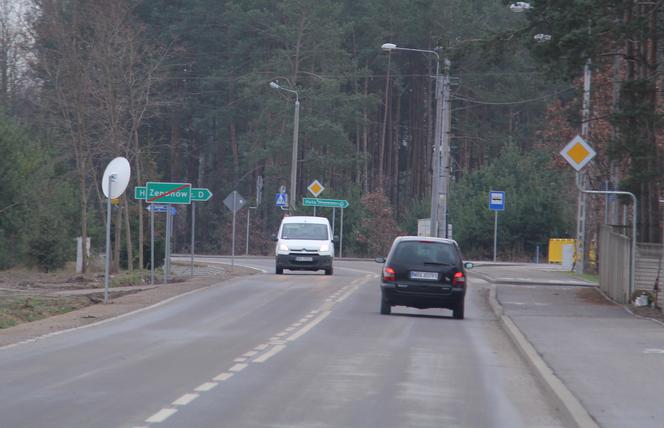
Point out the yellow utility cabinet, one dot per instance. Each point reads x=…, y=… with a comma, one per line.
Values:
x=556, y=249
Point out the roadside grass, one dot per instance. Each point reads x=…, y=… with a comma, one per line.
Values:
x=585, y=276
x=17, y=310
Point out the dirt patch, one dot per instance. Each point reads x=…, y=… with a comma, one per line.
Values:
x=31, y=311
x=593, y=296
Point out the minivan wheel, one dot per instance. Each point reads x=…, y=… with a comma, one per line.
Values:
x=329, y=271
x=458, y=311
x=279, y=270
x=385, y=307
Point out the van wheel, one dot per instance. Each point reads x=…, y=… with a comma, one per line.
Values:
x=385, y=307
x=458, y=311
x=329, y=271
x=279, y=270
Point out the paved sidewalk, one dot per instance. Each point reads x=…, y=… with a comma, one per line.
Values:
x=611, y=361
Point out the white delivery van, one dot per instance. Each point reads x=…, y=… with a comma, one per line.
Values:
x=304, y=243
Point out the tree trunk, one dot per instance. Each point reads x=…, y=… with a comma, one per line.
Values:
x=130, y=250
x=117, y=240
x=386, y=109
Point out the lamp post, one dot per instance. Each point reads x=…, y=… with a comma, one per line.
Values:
x=585, y=118
x=296, y=126
x=440, y=176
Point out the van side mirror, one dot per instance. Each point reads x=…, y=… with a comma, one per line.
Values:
x=274, y=237
x=468, y=265
x=380, y=259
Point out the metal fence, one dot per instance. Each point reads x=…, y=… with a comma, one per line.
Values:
x=649, y=268
x=614, y=264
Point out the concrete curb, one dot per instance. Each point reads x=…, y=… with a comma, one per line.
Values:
x=570, y=407
x=514, y=281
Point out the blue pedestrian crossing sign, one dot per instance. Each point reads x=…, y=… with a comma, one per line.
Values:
x=497, y=201
x=281, y=199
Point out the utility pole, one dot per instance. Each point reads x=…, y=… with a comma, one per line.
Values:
x=437, y=150
x=580, y=176
x=446, y=122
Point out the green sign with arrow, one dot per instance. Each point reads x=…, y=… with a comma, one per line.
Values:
x=326, y=203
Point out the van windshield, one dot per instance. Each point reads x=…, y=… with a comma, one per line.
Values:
x=306, y=231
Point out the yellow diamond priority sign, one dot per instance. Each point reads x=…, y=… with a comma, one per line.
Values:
x=578, y=153
x=316, y=188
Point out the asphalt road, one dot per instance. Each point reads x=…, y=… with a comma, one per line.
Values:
x=298, y=350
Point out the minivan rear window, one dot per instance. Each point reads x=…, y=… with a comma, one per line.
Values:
x=415, y=252
x=306, y=231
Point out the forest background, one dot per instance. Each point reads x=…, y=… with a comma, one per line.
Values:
x=181, y=89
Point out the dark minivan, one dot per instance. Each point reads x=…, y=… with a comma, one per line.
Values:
x=424, y=272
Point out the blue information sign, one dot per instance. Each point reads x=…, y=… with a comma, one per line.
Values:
x=281, y=199
x=497, y=201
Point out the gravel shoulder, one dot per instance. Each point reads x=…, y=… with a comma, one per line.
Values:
x=122, y=300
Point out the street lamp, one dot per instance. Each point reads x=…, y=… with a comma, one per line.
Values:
x=585, y=117
x=296, y=126
x=440, y=177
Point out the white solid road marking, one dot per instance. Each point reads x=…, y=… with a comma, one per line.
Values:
x=205, y=387
x=238, y=368
x=249, y=354
x=653, y=351
x=269, y=354
x=161, y=416
x=222, y=377
x=185, y=399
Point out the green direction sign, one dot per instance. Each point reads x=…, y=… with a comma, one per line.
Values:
x=140, y=192
x=168, y=193
x=327, y=203
x=200, y=194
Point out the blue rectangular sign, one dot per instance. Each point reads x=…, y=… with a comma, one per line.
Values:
x=497, y=201
x=281, y=199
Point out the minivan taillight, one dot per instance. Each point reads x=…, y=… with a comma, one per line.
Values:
x=458, y=280
x=389, y=274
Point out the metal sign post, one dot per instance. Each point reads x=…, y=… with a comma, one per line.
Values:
x=234, y=202
x=341, y=235
x=167, y=246
x=107, y=262
x=117, y=171
x=233, y=244
x=151, y=247
x=193, y=235
x=496, y=203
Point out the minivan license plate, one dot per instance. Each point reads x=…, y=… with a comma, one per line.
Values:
x=427, y=276
x=304, y=259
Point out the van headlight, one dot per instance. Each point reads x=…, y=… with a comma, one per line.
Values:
x=324, y=248
x=283, y=247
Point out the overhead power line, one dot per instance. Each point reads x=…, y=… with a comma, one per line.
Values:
x=502, y=103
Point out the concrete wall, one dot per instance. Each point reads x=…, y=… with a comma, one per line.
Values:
x=614, y=264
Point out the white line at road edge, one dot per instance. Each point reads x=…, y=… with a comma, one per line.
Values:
x=567, y=402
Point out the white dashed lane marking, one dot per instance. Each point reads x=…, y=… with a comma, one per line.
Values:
x=185, y=399
x=161, y=416
x=238, y=367
x=275, y=345
x=222, y=377
x=269, y=354
x=206, y=386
